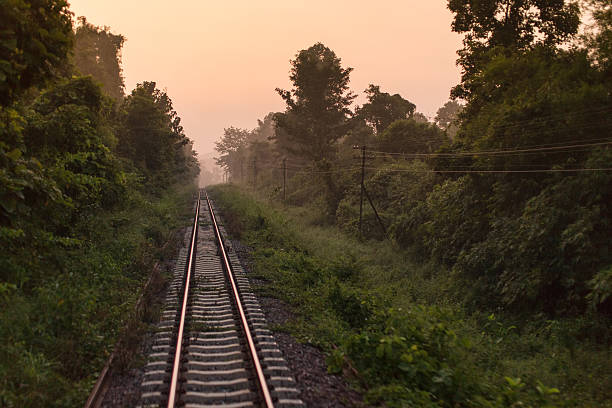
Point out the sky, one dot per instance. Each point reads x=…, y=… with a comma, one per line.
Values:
x=220, y=61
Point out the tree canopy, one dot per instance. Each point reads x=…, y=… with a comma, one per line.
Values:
x=97, y=52
x=490, y=25
x=382, y=109
x=36, y=39
x=317, y=105
x=152, y=136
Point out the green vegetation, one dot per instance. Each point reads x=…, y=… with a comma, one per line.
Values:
x=510, y=191
x=400, y=329
x=495, y=220
x=83, y=212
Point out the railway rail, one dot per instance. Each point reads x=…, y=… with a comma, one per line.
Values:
x=212, y=346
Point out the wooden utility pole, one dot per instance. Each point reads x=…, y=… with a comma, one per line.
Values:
x=363, y=157
x=284, y=179
x=254, y=172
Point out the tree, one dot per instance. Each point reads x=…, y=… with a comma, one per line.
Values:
x=232, y=147
x=36, y=38
x=447, y=117
x=265, y=130
x=507, y=24
x=317, y=106
x=383, y=109
x=600, y=40
x=152, y=136
x=97, y=52
x=447, y=114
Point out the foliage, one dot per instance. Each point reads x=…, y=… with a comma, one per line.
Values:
x=507, y=26
x=409, y=136
x=77, y=231
x=97, y=52
x=36, y=39
x=152, y=137
x=382, y=109
x=447, y=117
x=365, y=305
x=317, y=105
x=516, y=203
x=599, y=38
x=232, y=149
x=447, y=114
x=512, y=216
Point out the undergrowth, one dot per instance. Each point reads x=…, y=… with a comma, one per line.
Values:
x=57, y=337
x=401, y=331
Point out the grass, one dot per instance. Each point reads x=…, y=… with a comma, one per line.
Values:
x=403, y=325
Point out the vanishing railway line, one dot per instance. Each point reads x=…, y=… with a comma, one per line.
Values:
x=212, y=347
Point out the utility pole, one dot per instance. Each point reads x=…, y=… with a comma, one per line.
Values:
x=254, y=172
x=284, y=179
x=363, y=157
x=241, y=172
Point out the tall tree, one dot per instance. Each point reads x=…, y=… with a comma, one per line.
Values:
x=36, y=38
x=507, y=24
x=382, y=109
x=152, y=135
x=97, y=52
x=317, y=105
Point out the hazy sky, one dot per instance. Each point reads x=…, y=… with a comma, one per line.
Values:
x=221, y=61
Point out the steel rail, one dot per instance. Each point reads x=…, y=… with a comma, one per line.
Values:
x=261, y=379
x=179, y=340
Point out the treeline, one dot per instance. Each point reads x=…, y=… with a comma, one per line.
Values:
x=510, y=186
x=84, y=172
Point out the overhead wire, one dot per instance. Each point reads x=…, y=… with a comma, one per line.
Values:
x=491, y=152
x=493, y=171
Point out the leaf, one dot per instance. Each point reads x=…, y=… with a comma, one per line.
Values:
x=15, y=154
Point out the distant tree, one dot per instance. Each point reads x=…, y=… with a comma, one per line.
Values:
x=447, y=116
x=317, y=105
x=507, y=24
x=420, y=117
x=233, y=150
x=383, y=109
x=36, y=38
x=97, y=52
x=266, y=129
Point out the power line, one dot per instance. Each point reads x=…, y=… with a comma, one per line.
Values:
x=491, y=152
x=493, y=171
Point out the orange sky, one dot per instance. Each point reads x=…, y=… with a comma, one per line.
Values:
x=221, y=61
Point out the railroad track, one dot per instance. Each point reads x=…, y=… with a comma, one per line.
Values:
x=212, y=347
